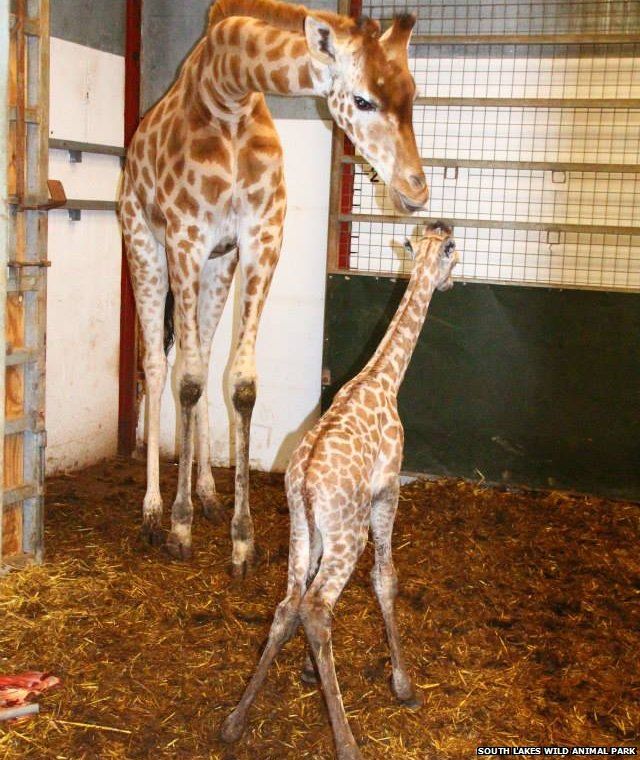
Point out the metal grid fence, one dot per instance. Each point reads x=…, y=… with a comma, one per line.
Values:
x=528, y=122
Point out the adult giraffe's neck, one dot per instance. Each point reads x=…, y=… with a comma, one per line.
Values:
x=393, y=355
x=243, y=55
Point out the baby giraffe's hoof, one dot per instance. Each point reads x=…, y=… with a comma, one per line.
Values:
x=232, y=729
x=213, y=509
x=349, y=752
x=177, y=549
x=309, y=676
x=152, y=535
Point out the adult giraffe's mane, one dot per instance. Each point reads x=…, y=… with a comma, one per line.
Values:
x=283, y=16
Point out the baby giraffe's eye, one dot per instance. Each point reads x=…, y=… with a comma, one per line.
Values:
x=362, y=104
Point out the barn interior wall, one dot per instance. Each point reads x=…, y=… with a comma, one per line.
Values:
x=83, y=309
x=289, y=349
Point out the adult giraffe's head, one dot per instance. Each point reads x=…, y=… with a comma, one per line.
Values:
x=371, y=98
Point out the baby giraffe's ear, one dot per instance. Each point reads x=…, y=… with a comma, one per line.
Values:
x=409, y=248
x=321, y=39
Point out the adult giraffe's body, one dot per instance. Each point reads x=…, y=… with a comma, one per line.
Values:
x=204, y=190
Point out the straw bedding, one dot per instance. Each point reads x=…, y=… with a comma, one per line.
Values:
x=520, y=615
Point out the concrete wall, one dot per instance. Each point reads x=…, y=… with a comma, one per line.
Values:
x=97, y=24
x=83, y=306
x=170, y=30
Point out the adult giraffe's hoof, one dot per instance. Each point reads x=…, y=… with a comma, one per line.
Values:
x=177, y=549
x=232, y=729
x=240, y=571
x=244, y=566
x=151, y=535
x=213, y=509
x=413, y=702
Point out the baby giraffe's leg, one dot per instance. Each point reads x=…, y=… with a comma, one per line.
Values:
x=308, y=674
x=285, y=620
x=385, y=584
x=315, y=613
x=284, y=625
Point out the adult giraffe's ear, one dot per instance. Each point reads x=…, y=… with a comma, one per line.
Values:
x=321, y=39
x=397, y=37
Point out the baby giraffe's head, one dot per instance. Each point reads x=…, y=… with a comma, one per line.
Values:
x=371, y=98
x=437, y=249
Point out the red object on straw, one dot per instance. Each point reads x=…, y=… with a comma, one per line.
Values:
x=16, y=690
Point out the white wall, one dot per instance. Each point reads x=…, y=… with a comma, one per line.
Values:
x=83, y=306
x=289, y=349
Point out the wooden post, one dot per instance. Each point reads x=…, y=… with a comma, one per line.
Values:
x=4, y=227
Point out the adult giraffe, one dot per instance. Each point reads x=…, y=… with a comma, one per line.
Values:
x=204, y=189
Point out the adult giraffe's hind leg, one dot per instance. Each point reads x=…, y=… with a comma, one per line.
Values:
x=259, y=251
x=215, y=282
x=385, y=585
x=148, y=268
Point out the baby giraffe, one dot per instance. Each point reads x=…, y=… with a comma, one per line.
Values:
x=342, y=478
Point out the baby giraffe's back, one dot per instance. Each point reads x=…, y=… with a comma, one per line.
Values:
x=341, y=463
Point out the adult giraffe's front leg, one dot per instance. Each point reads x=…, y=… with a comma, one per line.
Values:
x=185, y=264
x=260, y=246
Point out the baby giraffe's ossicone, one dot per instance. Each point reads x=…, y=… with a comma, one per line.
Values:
x=343, y=478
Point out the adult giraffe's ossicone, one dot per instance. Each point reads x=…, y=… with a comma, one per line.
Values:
x=204, y=189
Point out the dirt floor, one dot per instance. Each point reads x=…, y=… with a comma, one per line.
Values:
x=520, y=615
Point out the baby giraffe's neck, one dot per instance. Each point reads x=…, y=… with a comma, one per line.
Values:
x=393, y=355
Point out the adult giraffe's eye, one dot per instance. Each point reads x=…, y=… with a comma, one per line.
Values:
x=362, y=104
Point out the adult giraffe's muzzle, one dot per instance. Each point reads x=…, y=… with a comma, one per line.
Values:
x=409, y=201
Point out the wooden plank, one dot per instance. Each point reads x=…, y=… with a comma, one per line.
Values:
x=568, y=38
x=11, y=531
x=13, y=72
x=12, y=173
x=15, y=322
x=14, y=393
x=13, y=461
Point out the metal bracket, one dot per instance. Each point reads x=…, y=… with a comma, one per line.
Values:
x=558, y=178
x=58, y=198
x=454, y=176
x=554, y=237
x=75, y=156
x=75, y=214
x=25, y=264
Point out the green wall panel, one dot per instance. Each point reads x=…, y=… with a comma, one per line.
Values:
x=524, y=386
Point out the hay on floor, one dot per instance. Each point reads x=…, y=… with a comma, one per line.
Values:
x=520, y=615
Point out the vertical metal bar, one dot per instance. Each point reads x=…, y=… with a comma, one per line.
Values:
x=340, y=178
x=128, y=344
x=21, y=96
x=36, y=535
x=4, y=225
x=35, y=160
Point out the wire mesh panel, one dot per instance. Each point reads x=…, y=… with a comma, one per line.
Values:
x=513, y=16
x=528, y=122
